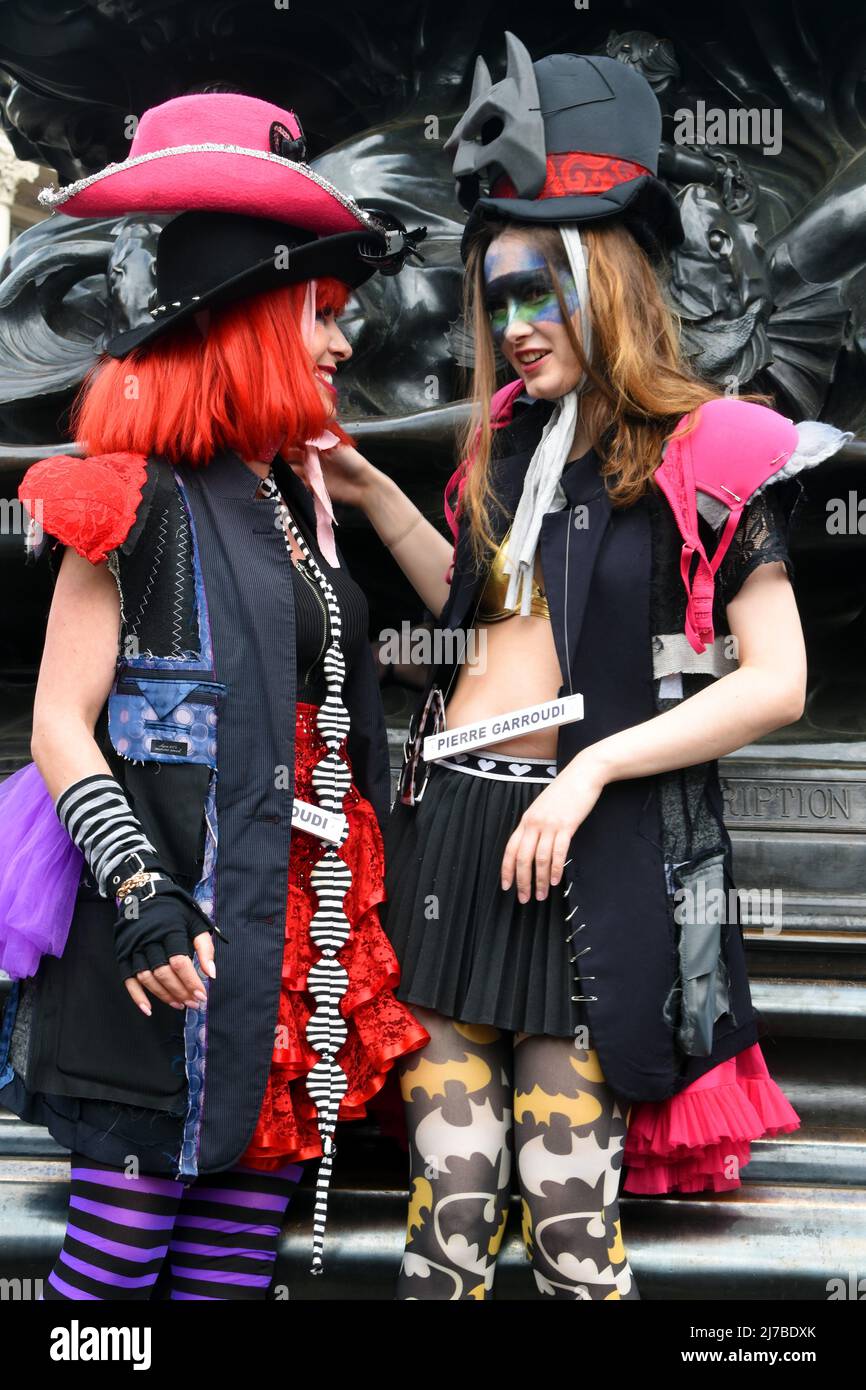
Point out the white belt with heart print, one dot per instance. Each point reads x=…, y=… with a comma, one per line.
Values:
x=448, y=743
x=502, y=767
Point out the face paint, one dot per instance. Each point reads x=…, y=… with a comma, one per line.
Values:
x=518, y=287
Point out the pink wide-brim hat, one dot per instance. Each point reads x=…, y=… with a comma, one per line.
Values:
x=213, y=152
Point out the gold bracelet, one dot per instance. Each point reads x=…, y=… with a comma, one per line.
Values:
x=390, y=544
x=135, y=881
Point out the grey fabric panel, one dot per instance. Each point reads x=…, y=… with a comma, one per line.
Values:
x=704, y=986
x=672, y=652
x=712, y=510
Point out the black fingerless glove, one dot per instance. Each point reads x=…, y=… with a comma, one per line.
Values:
x=157, y=919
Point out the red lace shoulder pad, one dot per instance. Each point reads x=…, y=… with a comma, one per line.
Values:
x=88, y=503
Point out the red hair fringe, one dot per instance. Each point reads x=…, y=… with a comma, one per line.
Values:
x=247, y=386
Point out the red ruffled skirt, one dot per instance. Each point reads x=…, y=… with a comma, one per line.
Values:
x=380, y=1027
x=699, y=1140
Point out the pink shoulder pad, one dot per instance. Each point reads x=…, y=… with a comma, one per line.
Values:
x=733, y=449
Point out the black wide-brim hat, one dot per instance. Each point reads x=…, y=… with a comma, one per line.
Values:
x=573, y=138
x=208, y=258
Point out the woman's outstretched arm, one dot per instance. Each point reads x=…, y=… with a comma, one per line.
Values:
x=766, y=692
x=423, y=554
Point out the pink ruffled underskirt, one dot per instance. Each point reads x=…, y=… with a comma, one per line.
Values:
x=699, y=1140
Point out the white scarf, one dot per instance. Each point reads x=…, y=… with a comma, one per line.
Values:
x=542, y=489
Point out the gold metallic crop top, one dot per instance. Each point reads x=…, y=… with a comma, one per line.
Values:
x=490, y=609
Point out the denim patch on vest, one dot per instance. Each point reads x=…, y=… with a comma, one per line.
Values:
x=157, y=717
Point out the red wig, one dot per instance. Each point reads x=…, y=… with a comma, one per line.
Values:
x=247, y=386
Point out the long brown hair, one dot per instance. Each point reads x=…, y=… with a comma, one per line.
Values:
x=639, y=384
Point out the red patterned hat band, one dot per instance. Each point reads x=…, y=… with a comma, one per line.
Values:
x=577, y=172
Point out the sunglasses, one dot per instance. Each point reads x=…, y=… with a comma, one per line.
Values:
x=415, y=771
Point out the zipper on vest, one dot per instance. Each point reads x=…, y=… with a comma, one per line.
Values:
x=432, y=682
x=482, y=580
x=571, y=512
x=300, y=566
x=205, y=692
x=202, y=674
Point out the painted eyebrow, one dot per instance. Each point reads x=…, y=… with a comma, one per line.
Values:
x=516, y=281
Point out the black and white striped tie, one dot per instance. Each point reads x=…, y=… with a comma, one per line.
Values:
x=331, y=878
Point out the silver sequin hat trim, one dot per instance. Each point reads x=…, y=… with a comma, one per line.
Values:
x=50, y=197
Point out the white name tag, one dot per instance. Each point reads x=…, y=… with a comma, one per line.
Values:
x=326, y=825
x=502, y=726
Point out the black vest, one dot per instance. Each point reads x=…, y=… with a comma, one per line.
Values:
x=247, y=693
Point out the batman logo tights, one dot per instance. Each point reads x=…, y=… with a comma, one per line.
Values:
x=474, y=1096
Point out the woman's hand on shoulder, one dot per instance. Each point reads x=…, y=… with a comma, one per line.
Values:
x=423, y=558
x=347, y=473
x=545, y=831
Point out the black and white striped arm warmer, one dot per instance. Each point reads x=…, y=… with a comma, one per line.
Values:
x=97, y=816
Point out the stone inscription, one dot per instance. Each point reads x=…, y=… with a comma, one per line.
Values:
x=796, y=803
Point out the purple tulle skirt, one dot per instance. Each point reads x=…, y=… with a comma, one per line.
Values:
x=40, y=870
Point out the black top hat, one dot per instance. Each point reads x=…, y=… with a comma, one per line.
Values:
x=572, y=138
x=209, y=258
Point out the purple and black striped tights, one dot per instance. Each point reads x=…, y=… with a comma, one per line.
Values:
x=220, y=1233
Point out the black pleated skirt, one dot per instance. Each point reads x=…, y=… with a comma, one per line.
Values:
x=466, y=948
